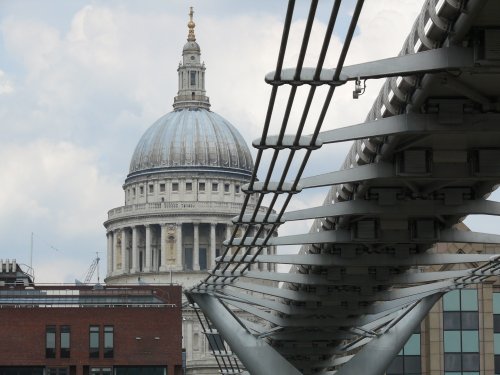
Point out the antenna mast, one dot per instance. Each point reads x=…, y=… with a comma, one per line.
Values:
x=31, y=251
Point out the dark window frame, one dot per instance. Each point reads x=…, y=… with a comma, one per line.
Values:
x=50, y=331
x=109, y=350
x=65, y=351
x=94, y=351
x=407, y=364
x=458, y=361
x=57, y=371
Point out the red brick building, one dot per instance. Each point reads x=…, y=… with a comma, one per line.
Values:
x=83, y=330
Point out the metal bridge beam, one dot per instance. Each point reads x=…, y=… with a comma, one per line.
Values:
x=442, y=59
x=376, y=356
x=404, y=124
x=258, y=357
x=381, y=260
x=385, y=236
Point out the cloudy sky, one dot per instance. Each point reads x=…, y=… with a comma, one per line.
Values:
x=80, y=81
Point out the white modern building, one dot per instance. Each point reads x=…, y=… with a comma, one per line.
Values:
x=183, y=188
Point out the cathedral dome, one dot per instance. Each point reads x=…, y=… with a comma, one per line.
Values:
x=191, y=139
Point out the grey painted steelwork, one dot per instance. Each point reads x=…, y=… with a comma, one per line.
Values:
x=443, y=59
x=257, y=360
x=426, y=157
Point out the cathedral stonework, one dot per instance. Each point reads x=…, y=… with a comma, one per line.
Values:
x=183, y=188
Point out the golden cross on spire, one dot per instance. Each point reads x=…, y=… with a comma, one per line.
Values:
x=191, y=25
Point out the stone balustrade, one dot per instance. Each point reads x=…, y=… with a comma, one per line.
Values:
x=177, y=207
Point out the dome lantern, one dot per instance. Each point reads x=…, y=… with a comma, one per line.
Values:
x=191, y=71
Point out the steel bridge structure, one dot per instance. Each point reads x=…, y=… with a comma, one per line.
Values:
x=426, y=157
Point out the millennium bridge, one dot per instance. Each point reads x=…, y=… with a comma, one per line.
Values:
x=426, y=157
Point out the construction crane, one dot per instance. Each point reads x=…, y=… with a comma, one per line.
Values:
x=93, y=266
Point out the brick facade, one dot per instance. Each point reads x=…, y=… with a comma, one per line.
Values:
x=142, y=335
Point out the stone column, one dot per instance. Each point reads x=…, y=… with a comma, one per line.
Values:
x=115, y=251
x=110, y=252
x=147, y=266
x=124, y=251
x=212, y=246
x=196, y=247
x=135, y=252
x=178, y=258
x=229, y=230
x=163, y=247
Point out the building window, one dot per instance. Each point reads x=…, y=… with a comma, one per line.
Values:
x=151, y=188
x=236, y=189
x=188, y=258
x=133, y=192
x=65, y=341
x=408, y=360
x=461, y=332
x=215, y=342
x=189, y=186
x=94, y=342
x=141, y=190
x=215, y=186
x=50, y=341
x=226, y=188
x=202, y=258
x=496, y=331
x=57, y=371
x=175, y=186
x=139, y=370
x=193, y=78
x=162, y=188
x=101, y=371
x=108, y=341
x=201, y=186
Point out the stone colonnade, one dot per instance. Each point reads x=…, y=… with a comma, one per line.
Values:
x=166, y=247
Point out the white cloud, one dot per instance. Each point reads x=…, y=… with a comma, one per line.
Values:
x=57, y=183
x=85, y=92
x=6, y=86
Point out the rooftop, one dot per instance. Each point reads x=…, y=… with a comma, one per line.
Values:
x=79, y=296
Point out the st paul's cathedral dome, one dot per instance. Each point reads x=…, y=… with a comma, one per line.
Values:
x=182, y=191
x=191, y=138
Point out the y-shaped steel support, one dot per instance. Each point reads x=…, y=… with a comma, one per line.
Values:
x=258, y=357
x=377, y=355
